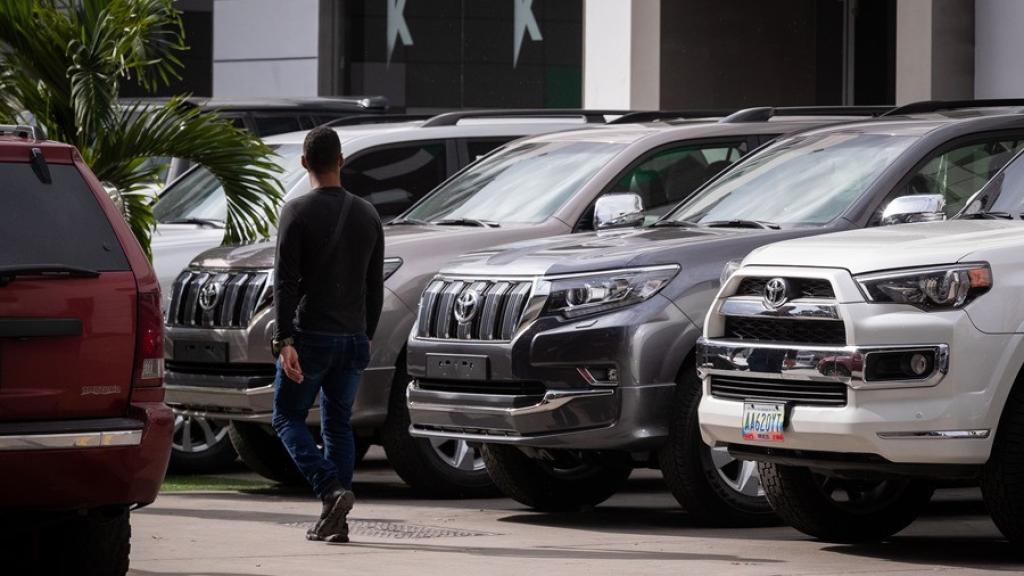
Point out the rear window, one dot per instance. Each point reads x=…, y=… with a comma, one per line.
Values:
x=57, y=223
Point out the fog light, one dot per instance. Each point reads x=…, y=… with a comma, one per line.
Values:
x=899, y=365
x=600, y=375
x=919, y=363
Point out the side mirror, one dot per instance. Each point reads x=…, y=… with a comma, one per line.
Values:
x=618, y=211
x=915, y=208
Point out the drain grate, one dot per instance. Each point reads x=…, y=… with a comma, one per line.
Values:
x=398, y=530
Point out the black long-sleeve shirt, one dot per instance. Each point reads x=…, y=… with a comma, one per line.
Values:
x=338, y=293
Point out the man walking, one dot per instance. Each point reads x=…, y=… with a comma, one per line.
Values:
x=328, y=293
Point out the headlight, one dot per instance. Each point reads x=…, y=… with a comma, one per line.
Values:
x=391, y=265
x=728, y=270
x=575, y=296
x=943, y=288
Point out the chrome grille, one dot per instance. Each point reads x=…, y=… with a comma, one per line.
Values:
x=801, y=287
x=239, y=294
x=790, y=391
x=499, y=309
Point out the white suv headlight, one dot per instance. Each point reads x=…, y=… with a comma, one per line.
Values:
x=942, y=288
x=579, y=295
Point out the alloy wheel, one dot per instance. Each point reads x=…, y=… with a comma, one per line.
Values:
x=740, y=475
x=195, y=434
x=458, y=454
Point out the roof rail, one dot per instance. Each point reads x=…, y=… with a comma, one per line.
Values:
x=766, y=113
x=360, y=119
x=20, y=131
x=653, y=115
x=938, y=105
x=591, y=116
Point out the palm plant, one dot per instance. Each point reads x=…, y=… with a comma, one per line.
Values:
x=62, y=61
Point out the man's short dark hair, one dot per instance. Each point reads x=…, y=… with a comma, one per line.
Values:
x=321, y=149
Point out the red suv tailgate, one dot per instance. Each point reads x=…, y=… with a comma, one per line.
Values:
x=67, y=296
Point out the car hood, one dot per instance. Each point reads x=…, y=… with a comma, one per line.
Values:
x=403, y=241
x=174, y=246
x=892, y=247
x=604, y=250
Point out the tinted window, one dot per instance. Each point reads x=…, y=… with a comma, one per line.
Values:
x=1004, y=193
x=958, y=173
x=524, y=183
x=808, y=180
x=393, y=178
x=268, y=125
x=669, y=176
x=57, y=223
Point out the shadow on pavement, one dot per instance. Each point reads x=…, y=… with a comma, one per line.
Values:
x=562, y=553
x=935, y=551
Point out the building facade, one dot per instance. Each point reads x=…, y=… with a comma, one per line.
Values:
x=428, y=55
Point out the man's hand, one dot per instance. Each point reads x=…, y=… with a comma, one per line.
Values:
x=290, y=363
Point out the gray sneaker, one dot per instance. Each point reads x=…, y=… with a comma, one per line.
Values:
x=333, y=524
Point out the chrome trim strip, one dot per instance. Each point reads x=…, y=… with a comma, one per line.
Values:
x=552, y=400
x=71, y=440
x=531, y=277
x=727, y=357
x=800, y=309
x=980, y=434
x=216, y=391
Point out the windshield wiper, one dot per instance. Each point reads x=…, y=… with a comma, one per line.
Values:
x=467, y=222
x=989, y=216
x=208, y=222
x=8, y=273
x=674, y=223
x=408, y=222
x=742, y=224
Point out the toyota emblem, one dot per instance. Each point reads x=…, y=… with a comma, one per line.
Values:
x=466, y=305
x=209, y=295
x=776, y=293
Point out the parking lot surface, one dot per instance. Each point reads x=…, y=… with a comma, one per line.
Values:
x=640, y=531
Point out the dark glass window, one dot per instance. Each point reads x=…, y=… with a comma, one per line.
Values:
x=56, y=223
x=267, y=125
x=478, y=148
x=393, y=178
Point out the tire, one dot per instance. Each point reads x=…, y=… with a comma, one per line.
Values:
x=262, y=451
x=200, y=445
x=714, y=488
x=574, y=481
x=95, y=544
x=1002, y=478
x=807, y=502
x=433, y=468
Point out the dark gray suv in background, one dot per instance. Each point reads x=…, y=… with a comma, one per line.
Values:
x=219, y=361
x=592, y=370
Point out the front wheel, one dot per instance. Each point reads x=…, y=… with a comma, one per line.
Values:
x=563, y=480
x=713, y=487
x=436, y=467
x=843, y=510
x=1002, y=478
x=200, y=445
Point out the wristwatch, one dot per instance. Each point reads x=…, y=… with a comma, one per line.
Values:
x=277, y=345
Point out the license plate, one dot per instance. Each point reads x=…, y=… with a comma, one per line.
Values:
x=199, y=351
x=764, y=422
x=457, y=367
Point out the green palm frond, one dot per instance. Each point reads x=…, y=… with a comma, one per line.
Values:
x=63, y=61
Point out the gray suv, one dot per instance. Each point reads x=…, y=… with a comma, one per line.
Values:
x=219, y=362
x=592, y=371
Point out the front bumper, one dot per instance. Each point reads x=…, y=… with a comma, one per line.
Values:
x=645, y=344
x=946, y=419
x=73, y=465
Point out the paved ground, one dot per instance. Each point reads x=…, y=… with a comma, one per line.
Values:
x=640, y=531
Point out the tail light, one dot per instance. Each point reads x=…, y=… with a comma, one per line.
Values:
x=149, y=345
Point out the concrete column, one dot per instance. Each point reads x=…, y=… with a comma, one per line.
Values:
x=265, y=48
x=622, y=54
x=935, y=50
x=998, y=46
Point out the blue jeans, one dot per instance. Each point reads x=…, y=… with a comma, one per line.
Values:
x=332, y=365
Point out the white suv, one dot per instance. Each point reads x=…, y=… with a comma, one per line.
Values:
x=859, y=368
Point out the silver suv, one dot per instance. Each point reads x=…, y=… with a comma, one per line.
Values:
x=219, y=361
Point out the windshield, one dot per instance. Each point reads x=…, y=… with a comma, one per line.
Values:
x=525, y=183
x=801, y=181
x=1004, y=193
x=199, y=196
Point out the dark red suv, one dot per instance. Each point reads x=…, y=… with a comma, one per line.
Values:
x=84, y=433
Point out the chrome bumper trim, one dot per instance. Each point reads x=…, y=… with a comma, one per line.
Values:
x=810, y=363
x=937, y=435
x=552, y=400
x=218, y=391
x=71, y=440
